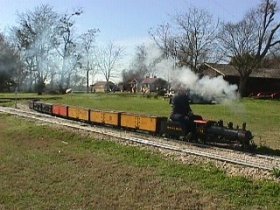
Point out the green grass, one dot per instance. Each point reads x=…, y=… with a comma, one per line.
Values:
x=26, y=95
x=40, y=171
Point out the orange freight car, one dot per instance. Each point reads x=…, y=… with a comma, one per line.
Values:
x=60, y=110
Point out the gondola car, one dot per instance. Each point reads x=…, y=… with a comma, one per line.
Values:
x=47, y=108
x=37, y=106
x=42, y=107
x=78, y=113
x=107, y=118
x=60, y=110
x=31, y=104
x=147, y=123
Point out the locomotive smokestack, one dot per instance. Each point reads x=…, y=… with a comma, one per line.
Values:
x=244, y=126
x=230, y=125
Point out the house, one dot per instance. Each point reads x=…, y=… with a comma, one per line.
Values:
x=102, y=87
x=153, y=84
x=133, y=85
x=260, y=80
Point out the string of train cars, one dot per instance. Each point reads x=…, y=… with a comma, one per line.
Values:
x=207, y=131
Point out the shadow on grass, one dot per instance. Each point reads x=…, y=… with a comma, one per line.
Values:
x=31, y=98
x=5, y=101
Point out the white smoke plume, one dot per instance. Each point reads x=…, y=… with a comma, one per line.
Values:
x=215, y=88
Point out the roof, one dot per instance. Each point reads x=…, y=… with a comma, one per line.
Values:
x=102, y=83
x=134, y=81
x=149, y=80
x=229, y=70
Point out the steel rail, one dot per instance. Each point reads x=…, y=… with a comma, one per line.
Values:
x=122, y=136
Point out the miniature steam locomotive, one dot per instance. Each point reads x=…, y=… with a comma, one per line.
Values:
x=207, y=131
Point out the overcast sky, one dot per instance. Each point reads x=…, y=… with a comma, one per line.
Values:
x=125, y=22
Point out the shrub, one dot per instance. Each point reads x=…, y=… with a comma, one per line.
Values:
x=276, y=172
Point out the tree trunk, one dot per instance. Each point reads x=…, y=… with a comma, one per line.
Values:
x=107, y=86
x=243, y=86
x=87, y=81
x=30, y=84
x=68, y=81
x=62, y=76
x=52, y=81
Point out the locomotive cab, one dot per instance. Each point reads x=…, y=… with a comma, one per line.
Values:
x=175, y=130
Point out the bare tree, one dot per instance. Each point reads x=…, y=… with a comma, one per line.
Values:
x=35, y=35
x=87, y=45
x=192, y=43
x=196, y=40
x=66, y=48
x=274, y=58
x=107, y=59
x=139, y=64
x=11, y=71
x=247, y=42
x=138, y=67
x=163, y=38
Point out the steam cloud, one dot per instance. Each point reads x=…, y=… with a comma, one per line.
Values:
x=215, y=88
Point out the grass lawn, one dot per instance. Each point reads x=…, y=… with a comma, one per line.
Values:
x=39, y=170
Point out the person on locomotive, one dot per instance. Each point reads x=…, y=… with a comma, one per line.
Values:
x=182, y=112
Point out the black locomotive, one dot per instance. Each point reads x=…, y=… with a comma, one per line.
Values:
x=214, y=132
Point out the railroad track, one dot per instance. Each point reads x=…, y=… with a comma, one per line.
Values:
x=262, y=162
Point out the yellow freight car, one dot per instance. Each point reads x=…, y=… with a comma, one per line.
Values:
x=112, y=118
x=105, y=117
x=96, y=116
x=78, y=113
x=129, y=120
x=148, y=123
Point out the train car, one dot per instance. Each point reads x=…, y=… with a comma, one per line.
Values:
x=78, y=113
x=31, y=104
x=41, y=107
x=46, y=108
x=129, y=120
x=151, y=124
x=60, y=110
x=110, y=118
x=37, y=106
